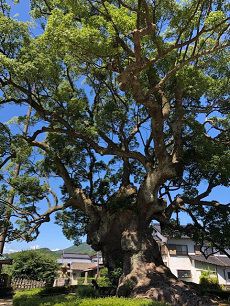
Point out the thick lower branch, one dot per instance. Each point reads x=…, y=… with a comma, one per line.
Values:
x=147, y=200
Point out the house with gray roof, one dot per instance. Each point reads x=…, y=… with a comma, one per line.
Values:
x=5, y=260
x=74, y=266
x=186, y=261
x=74, y=257
x=179, y=253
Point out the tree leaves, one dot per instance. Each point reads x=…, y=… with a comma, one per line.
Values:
x=35, y=265
x=112, y=130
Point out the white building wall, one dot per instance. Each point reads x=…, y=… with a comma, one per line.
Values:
x=74, y=275
x=222, y=275
x=100, y=260
x=179, y=263
x=196, y=275
x=183, y=262
x=70, y=260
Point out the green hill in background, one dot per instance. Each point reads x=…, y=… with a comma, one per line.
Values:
x=83, y=248
x=41, y=250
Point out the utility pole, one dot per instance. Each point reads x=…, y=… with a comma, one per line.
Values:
x=97, y=265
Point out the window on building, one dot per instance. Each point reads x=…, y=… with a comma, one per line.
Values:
x=205, y=266
x=206, y=249
x=181, y=249
x=228, y=274
x=184, y=274
x=176, y=249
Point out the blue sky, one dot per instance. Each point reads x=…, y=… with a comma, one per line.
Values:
x=51, y=235
x=20, y=11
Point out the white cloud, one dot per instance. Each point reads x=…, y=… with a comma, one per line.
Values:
x=53, y=250
x=9, y=250
x=12, y=251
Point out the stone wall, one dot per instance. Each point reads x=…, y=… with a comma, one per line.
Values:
x=22, y=283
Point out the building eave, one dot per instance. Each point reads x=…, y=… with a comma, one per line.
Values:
x=213, y=260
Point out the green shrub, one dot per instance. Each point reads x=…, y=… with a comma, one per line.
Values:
x=25, y=297
x=115, y=275
x=54, y=290
x=33, y=298
x=86, y=291
x=103, y=280
x=81, y=280
x=35, y=265
x=80, y=290
x=222, y=294
x=126, y=288
x=209, y=281
x=114, y=301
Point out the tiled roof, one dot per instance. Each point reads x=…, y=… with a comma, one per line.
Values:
x=83, y=266
x=214, y=260
x=95, y=256
x=172, y=235
x=5, y=260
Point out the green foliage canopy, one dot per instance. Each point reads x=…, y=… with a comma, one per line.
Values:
x=34, y=265
x=126, y=95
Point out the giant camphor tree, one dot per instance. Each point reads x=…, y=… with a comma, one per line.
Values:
x=130, y=109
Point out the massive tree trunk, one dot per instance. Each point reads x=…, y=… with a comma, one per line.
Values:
x=121, y=235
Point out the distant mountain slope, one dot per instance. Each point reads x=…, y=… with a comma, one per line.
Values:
x=83, y=248
x=42, y=250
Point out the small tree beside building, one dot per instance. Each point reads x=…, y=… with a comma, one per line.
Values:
x=34, y=265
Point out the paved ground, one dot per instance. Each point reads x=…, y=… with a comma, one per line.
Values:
x=6, y=302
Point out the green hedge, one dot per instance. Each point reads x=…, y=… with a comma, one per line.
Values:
x=222, y=294
x=34, y=298
x=114, y=301
x=81, y=280
x=209, y=281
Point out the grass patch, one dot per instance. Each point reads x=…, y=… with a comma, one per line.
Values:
x=114, y=301
x=34, y=298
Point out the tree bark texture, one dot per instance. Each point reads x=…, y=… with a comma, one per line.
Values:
x=122, y=235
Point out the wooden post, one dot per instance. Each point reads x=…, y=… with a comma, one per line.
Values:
x=97, y=266
x=86, y=278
